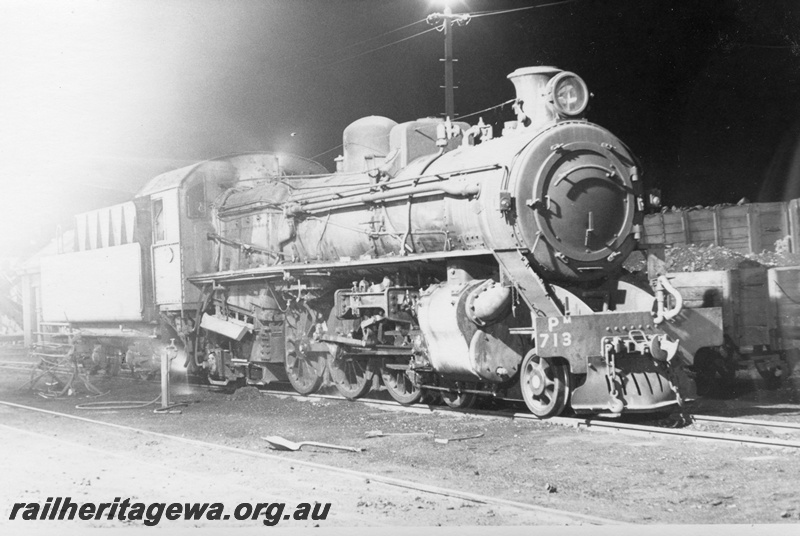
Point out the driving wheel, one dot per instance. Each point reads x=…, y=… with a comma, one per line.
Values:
x=305, y=369
x=351, y=376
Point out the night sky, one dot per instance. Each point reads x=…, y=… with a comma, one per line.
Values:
x=98, y=97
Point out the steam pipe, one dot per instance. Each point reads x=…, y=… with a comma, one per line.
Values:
x=461, y=190
x=348, y=192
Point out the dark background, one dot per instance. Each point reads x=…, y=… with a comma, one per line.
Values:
x=705, y=92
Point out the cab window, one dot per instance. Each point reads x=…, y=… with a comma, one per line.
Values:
x=159, y=233
x=196, y=201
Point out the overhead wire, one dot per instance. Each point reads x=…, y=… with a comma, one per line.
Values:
x=380, y=47
x=504, y=103
x=352, y=45
x=326, y=152
x=504, y=11
x=329, y=55
x=364, y=53
x=435, y=28
x=509, y=101
x=337, y=147
x=473, y=15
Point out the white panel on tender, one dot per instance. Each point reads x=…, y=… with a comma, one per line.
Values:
x=167, y=272
x=107, y=226
x=100, y=285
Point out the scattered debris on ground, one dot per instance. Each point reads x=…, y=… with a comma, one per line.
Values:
x=246, y=393
x=626, y=477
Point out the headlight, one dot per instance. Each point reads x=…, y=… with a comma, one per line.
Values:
x=568, y=94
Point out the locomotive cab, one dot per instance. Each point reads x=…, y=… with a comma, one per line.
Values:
x=181, y=209
x=180, y=217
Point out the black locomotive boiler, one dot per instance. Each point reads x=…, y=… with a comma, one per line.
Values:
x=436, y=259
x=441, y=259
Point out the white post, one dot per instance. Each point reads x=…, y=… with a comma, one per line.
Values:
x=167, y=355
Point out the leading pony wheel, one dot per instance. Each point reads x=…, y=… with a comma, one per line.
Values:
x=401, y=387
x=545, y=385
x=459, y=400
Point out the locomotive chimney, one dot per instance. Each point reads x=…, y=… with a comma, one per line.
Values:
x=533, y=108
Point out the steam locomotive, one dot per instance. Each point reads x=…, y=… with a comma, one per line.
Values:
x=437, y=259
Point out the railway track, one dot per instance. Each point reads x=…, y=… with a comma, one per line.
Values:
x=589, y=423
x=552, y=513
x=17, y=364
x=600, y=424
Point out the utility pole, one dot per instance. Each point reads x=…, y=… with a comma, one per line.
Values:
x=447, y=18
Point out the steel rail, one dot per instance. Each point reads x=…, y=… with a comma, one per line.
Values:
x=408, y=484
x=745, y=422
x=4, y=362
x=713, y=436
x=123, y=377
x=24, y=368
x=585, y=422
x=28, y=367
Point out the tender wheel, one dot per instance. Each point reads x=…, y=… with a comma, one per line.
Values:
x=545, y=385
x=48, y=382
x=350, y=375
x=401, y=387
x=459, y=400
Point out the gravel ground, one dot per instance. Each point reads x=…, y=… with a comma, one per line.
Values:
x=92, y=464
x=608, y=474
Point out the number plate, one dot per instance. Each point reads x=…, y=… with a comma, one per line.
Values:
x=578, y=337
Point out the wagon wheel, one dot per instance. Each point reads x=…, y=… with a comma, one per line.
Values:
x=52, y=379
x=715, y=374
x=351, y=376
x=114, y=364
x=143, y=373
x=304, y=368
x=141, y=367
x=459, y=400
x=545, y=385
x=773, y=375
x=398, y=381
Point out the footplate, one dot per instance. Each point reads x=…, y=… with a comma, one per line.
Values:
x=641, y=383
